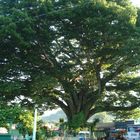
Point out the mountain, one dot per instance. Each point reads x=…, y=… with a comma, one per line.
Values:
x=53, y=115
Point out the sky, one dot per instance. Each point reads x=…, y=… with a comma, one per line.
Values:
x=136, y=2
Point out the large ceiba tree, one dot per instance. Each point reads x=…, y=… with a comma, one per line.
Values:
x=81, y=55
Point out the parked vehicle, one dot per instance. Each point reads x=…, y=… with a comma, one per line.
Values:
x=133, y=132
x=116, y=133
x=84, y=135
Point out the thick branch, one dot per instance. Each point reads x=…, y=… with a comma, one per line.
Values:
x=69, y=89
x=91, y=113
x=107, y=107
x=63, y=106
x=114, y=74
x=98, y=70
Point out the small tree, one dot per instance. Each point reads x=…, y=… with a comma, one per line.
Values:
x=9, y=115
x=16, y=115
x=92, y=126
x=25, y=124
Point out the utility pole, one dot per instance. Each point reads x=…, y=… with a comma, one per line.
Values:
x=35, y=124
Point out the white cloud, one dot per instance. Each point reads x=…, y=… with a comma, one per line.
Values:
x=136, y=2
x=51, y=112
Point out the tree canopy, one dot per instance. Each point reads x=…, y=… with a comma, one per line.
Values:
x=127, y=115
x=80, y=55
x=22, y=117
